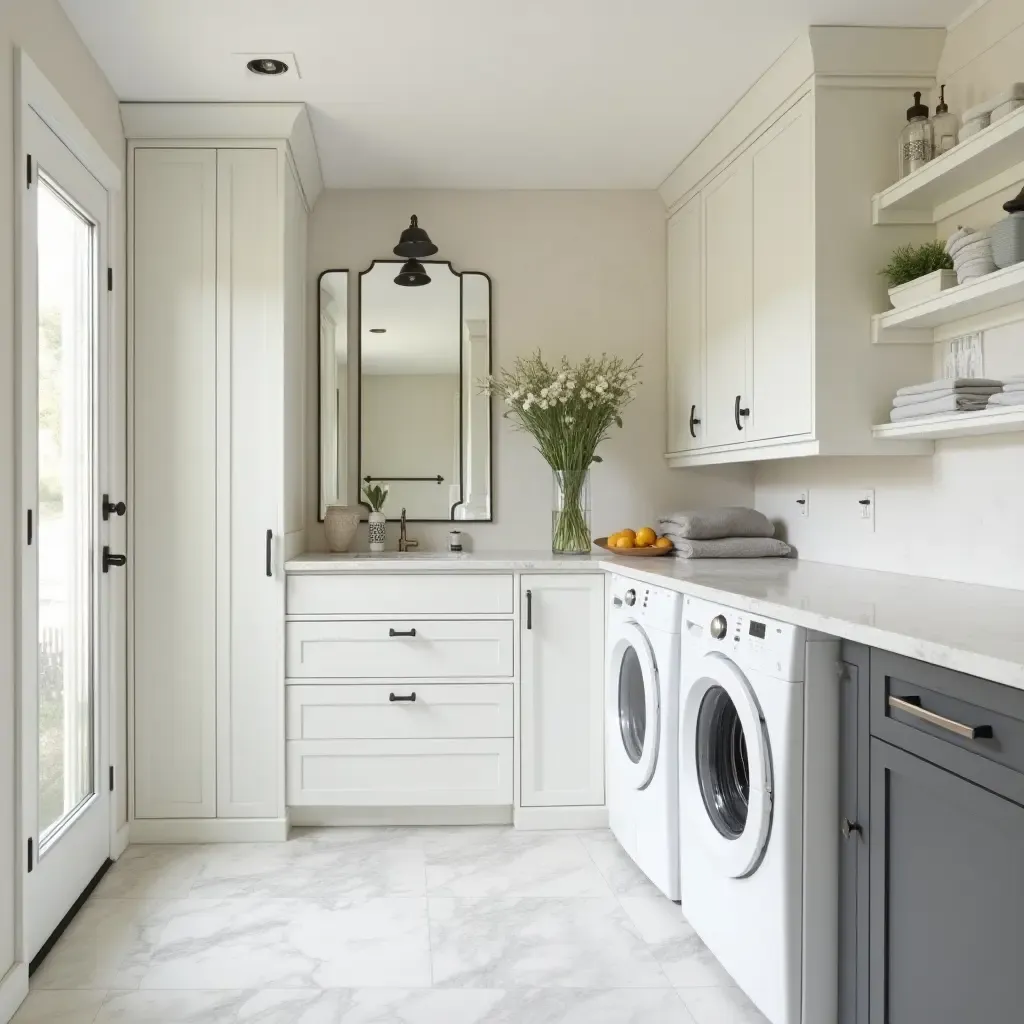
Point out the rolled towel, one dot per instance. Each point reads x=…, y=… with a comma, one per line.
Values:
x=975, y=268
x=733, y=547
x=715, y=523
x=970, y=403
x=931, y=396
x=963, y=237
x=1007, y=398
x=950, y=383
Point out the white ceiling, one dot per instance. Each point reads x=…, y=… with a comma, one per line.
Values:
x=476, y=93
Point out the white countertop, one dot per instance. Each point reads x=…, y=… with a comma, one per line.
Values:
x=962, y=626
x=434, y=561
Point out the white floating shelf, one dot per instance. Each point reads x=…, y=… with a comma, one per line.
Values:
x=956, y=424
x=971, y=170
x=981, y=304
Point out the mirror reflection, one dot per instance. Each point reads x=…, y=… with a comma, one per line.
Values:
x=425, y=431
x=334, y=385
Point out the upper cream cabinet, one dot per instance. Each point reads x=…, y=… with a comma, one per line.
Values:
x=773, y=260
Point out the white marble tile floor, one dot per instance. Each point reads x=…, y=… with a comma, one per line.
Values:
x=383, y=926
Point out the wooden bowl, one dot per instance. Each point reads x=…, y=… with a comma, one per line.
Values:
x=651, y=552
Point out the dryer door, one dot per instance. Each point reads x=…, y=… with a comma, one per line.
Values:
x=634, y=705
x=725, y=772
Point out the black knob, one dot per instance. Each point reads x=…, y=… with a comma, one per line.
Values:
x=631, y=598
x=109, y=559
x=111, y=508
x=848, y=828
x=719, y=627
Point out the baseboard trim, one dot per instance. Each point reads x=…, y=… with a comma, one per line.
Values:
x=209, y=830
x=332, y=816
x=119, y=841
x=539, y=818
x=13, y=990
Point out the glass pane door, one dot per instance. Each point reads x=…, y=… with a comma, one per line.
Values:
x=66, y=509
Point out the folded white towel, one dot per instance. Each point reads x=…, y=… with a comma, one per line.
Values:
x=951, y=384
x=951, y=403
x=1007, y=398
x=1014, y=385
x=975, y=268
x=931, y=396
x=963, y=237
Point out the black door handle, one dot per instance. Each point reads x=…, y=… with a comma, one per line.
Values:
x=111, y=508
x=411, y=699
x=738, y=412
x=398, y=632
x=109, y=559
x=529, y=609
x=270, y=552
x=693, y=420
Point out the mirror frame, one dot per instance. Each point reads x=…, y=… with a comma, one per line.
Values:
x=320, y=382
x=462, y=409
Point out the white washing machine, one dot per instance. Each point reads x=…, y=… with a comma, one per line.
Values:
x=642, y=715
x=758, y=806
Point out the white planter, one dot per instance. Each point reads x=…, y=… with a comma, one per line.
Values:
x=340, y=524
x=378, y=530
x=922, y=288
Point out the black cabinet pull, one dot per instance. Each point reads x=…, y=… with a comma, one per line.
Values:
x=112, y=508
x=270, y=552
x=693, y=420
x=529, y=609
x=398, y=632
x=411, y=699
x=737, y=412
x=111, y=559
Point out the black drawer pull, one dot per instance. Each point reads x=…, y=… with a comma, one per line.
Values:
x=737, y=412
x=693, y=420
x=912, y=706
x=411, y=699
x=270, y=552
x=529, y=609
x=398, y=632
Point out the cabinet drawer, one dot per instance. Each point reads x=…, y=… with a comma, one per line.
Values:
x=323, y=712
x=400, y=594
x=399, y=649
x=931, y=711
x=399, y=773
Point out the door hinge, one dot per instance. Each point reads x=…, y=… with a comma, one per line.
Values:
x=111, y=778
x=29, y=526
x=31, y=863
x=28, y=171
x=110, y=279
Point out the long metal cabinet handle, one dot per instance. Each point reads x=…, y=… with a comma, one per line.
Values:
x=737, y=412
x=270, y=552
x=912, y=706
x=529, y=609
x=693, y=420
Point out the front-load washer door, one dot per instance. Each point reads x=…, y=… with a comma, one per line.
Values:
x=634, y=705
x=725, y=772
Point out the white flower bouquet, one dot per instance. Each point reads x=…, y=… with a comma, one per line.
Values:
x=569, y=410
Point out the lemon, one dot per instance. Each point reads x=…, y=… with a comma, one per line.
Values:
x=612, y=538
x=626, y=541
x=663, y=542
x=628, y=533
x=645, y=537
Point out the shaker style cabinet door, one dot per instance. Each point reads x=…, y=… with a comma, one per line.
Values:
x=728, y=243
x=562, y=690
x=174, y=481
x=947, y=863
x=685, y=379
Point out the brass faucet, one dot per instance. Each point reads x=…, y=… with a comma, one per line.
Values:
x=404, y=544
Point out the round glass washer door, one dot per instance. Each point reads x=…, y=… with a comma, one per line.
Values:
x=726, y=770
x=634, y=705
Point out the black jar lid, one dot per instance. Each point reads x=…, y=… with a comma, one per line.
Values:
x=1015, y=205
x=918, y=109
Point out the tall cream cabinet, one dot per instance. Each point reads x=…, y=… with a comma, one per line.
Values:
x=773, y=260
x=217, y=231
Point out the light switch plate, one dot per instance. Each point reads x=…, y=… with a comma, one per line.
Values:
x=866, y=509
x=803, y=504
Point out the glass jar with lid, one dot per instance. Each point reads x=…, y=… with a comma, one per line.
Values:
x=917, y=140
x=944, y=126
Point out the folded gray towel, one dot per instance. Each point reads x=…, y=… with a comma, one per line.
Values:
x=1007, y=398
x=931, y=396
x=955, y=383
x=733, y=547
x=715, y=523
x=941, y=405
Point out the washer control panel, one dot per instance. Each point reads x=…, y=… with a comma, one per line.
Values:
x=653, y=607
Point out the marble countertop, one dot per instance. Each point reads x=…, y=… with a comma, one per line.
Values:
x=970, y=628
x=433, y=561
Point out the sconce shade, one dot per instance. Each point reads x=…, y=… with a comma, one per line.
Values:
x=412, y=275
x=415, y=243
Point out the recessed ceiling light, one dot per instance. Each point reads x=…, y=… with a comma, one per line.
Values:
x=267, y=66
x=378, y=330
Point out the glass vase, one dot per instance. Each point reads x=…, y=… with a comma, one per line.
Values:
x=570, y=511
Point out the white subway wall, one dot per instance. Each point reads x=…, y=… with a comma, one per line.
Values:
x=573, y=273
x=957, y=514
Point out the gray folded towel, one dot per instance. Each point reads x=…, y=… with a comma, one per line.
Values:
x=715, y=523
x=1007, y=398
x=733, y=547
x=931, y=396
x=951, y=403
x=956, y=383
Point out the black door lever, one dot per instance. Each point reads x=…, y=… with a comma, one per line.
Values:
x=109, y=559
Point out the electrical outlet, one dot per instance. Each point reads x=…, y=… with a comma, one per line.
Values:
x=866, y=508
x=803, y=504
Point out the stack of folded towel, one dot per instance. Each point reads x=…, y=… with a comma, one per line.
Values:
x=941, y=397
x=723, y=533
x=971, y=252
x=1012, y=393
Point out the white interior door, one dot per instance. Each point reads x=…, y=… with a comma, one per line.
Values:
x=65, y=616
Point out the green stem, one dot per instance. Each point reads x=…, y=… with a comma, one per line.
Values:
x=571, y=534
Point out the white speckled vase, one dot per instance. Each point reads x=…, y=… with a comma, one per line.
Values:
x=340, y=524
x=378, y=530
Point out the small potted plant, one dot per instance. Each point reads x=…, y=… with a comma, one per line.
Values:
x=376, y=495
x=918, y=272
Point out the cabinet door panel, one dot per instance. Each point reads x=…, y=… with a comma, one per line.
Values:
x=561, y=692
x=947, y=858
x=685, y=330
x=174, y=472
x=783, y=240
x=728, y=234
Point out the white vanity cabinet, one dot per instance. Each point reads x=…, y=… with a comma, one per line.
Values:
x=217, y=255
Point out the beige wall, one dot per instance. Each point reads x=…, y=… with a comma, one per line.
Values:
x=42, y=30
x=573, y=273
x=957, y=514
